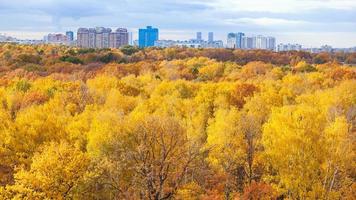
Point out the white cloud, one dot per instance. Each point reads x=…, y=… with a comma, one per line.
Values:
x=265, y=21
x=282, y=6
x=179, y=19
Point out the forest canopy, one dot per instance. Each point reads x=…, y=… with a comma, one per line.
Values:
x=176, y=123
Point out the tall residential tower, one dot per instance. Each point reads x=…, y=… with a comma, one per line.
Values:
x=101, y=37
x=210, y=37
x=147, y=37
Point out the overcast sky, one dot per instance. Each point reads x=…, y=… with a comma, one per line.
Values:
x=308, y=22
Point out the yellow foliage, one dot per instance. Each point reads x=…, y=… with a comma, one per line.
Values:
x=55, y=173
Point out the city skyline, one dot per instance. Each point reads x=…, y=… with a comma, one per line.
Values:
x=101, y=37
x=308, y=22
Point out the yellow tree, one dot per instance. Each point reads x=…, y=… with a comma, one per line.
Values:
x=307, y=153
x=7, y=155
x=162, y=156
x=57, y=172
x=234, y=147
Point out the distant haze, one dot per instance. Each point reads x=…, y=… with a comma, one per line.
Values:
x=308, y=22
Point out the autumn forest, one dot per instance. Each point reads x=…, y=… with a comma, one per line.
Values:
x=176, y=123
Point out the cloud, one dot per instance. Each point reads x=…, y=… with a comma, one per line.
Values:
x=282, y=6
x=265, y=21
x=182, y=16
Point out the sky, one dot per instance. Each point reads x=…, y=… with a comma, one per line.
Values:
x=311, y=23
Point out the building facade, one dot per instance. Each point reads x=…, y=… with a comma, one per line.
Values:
x=248, y=43
x=119, y=38
x=147, y=36
x=235, y=40
x=83, y=38
x=199, y=36
x=101, y=37
x=192, y=43
x=288, y=47
x=261, y=42
x=231, y=40
x=130, y=38
x=271, y=43
x=258, y=42
x=56, y=38
x=70, y=36
x=239, y=37
x=210, y=37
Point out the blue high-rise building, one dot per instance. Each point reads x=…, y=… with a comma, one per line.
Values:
x=239, y=40
x=147, y=37
x=70, y=36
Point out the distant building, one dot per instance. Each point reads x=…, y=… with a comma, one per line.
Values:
x=239, y=37
x=231, y=40
x=261, y=42
x=91, y=38
x=214, y=44
x=70, y=36
x=83, y=38
x=326, y=48
x=56, y=38
x=235, y=40
x=30, y=42
x=288, y=47
x=248, y=42
x=210, y=37
x=189, y=44
x=271, y=43
x=255, y=42
x=4, y=38
x=119, y=38
x=101, y=37
x=192, y=43
x=147, y=36
x=199, y=36
x=131, y=39
x=165, y=43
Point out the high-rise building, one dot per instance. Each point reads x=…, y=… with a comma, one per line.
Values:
x=147, y=36
x=106, y=37
x=130, y=39
x=239, y=37
x=70, y=36
x=231, y=40
x=199, y=36
x=91, y=38
x=261, y=42
x=101, y=37
x=235, y=40
x=56, y=38
x=289, y=47
x=123, y=37
x=248, y=42
x=271, y=43
x=119, y=38
x=258, y=42
x=83, y=38
x=210, y=37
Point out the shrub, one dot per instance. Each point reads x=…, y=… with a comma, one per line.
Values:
x=71, y=59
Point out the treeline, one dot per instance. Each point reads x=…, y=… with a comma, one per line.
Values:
x=43, y=57
x=175, y=124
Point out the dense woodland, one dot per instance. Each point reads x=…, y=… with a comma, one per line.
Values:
x=172, y=123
